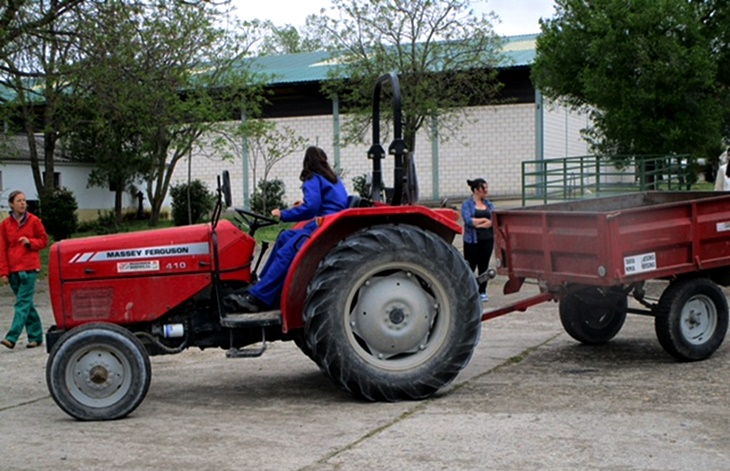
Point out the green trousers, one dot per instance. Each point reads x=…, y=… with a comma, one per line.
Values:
x=26, y=316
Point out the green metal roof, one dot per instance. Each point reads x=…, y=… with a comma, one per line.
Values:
x=517, y=51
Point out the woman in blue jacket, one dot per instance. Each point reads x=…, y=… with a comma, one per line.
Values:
x=478, y=234
x=324, y=194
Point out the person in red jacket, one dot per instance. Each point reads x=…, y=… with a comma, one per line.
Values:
x=22, y=237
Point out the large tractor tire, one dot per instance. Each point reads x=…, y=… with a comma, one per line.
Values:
x=593, y=316
x=691, y=319
x=392, y=313
x=98, y=372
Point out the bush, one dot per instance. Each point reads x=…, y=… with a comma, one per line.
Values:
x=106, y=223
x=361, y=185
x=58, y=212
x=269, y=195
x=202, y=202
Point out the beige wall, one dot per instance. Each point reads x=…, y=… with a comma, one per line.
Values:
x=491, y=144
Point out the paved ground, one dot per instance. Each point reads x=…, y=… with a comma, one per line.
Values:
x=531, y=399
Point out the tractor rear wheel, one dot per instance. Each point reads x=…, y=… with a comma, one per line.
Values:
x=392, y=313
x=98, y=372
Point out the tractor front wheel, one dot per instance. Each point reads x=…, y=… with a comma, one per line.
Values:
x=98, y=372
x=392, y=313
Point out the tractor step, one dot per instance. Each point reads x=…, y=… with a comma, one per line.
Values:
x=252, y=319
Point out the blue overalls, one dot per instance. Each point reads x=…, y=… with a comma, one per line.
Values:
x=321, y=197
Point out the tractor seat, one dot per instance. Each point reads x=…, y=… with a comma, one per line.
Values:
x=356, y=201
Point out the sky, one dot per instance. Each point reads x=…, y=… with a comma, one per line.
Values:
x=517, y=16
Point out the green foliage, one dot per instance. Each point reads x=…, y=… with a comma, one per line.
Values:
x=106, y=223
x=287, y=40
x=443, y=53
x=269, y=195
x=269, y=144
x=137, y=62
x=201, y=202
x=360, y=185
x=646, y=70
x=58, y=212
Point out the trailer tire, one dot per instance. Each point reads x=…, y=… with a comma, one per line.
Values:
x=591, y=316
x=691, y=319
x=98, y=372
x=392, y=313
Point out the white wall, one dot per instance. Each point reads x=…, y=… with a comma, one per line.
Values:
x=17, y=175
x=492, y=144
x=562, y=128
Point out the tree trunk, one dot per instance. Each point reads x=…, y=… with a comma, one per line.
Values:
x=34, y=164
x=49, y=148
x=118, y=194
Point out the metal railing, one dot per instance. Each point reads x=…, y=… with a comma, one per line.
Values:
x=592, y=176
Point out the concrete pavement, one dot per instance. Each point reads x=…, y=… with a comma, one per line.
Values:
x=530, y=399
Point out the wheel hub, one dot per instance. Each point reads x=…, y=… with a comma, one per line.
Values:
x=699, y=319
x=97, y=375
x=393, y=315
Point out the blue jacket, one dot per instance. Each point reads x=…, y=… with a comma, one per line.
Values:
x=467, y=213
x=321, y=197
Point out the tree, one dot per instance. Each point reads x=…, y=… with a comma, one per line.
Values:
x=268, y=145
x=444, y=53
x=646, y=69
x=36, y=53
x=21, y=18
x=287, y=39
x=166, y=79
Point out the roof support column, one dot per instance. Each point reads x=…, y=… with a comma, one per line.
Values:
x=539, y=144
x=435, y=157
x=336, y=131
x=244, y=161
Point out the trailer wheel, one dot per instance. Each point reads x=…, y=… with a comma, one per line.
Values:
x=593, y=316
x=691, y=319
x=98, y=372
x=392, y=313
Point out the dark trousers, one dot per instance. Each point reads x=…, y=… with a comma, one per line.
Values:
x=478, y=256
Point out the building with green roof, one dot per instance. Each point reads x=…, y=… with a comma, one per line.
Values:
x=492, y=144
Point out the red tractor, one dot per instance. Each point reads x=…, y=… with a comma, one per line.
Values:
x=377, y=297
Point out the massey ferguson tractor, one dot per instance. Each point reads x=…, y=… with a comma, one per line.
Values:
x=377, y=297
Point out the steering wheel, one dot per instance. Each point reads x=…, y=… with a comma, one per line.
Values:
x=255, y=221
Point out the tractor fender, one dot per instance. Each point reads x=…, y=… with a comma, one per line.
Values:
x=334, y=228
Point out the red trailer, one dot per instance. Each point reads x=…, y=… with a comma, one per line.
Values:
x=591, y=255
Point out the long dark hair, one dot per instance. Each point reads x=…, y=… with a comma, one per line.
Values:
x=315, y=161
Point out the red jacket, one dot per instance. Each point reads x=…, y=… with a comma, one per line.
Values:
x=14, y=256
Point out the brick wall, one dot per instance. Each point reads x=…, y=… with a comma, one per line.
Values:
x=491, y=143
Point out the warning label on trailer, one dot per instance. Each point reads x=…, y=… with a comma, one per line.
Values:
x=723, y=226
x=639, y=263
x=131, y=267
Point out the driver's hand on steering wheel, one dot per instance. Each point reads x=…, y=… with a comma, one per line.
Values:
x=276, y=213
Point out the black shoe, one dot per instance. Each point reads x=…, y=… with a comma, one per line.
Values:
x=243, y=303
